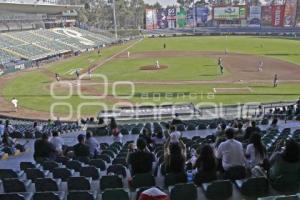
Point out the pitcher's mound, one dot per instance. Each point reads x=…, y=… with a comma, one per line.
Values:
x=153, y=67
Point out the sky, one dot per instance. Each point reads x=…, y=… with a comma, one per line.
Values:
x=162, y=2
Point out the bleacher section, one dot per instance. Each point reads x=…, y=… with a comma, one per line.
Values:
x=40, y=44
x=106, y=176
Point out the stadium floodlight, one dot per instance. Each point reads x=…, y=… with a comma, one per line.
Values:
x=115, y=19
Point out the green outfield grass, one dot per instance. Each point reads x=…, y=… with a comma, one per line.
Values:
x=32, y=88
x=186, y=68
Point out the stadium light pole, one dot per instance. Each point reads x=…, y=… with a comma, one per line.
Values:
x=115, y=19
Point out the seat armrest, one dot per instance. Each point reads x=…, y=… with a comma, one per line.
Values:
x=239, y=183
x=205, y=186
x=27, y=183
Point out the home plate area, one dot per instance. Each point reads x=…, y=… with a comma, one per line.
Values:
x=233, y=90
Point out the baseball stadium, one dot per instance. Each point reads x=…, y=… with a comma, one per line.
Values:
x=135, y=99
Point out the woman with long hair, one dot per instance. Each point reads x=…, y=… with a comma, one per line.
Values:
x=256, y=152
x=175, y=157
x=206, y=165
x=117, y=136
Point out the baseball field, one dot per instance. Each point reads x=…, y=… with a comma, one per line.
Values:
x=145, y=72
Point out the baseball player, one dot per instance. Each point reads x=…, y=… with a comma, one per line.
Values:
x=77, y=73
x=57, y=77
x=221, y=68
x=260, y=66
x=14, y=101
x=220, y=61
x=275, y=81
x=157, y=64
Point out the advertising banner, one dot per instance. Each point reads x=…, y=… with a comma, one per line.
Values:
x=171, y=17
x=202, y=15
x=181, y=17
x=242, y=12
x=254, y=16
x=162, y=21
x=277, y=15
x=190, y=17
x=290, y=13
x=266, y=15
x=226, y=13
x=151, y=19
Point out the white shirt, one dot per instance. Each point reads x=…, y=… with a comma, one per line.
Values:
x=254, y=159
x=15, y=102
x=93, y=145
x=57, y=142
x=175, y=136
x=232, y=154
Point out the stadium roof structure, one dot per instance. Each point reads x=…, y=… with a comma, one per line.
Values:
x=37, y=8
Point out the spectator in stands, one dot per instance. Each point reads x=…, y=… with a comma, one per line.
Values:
x=2, y=127
x=81, y=149
x=101, y=123
x=273, y=125
x=92, y=143
x=174, y=135
x=8, y=144
x=256, y=152
x=251, y=129
x=239, y=133
x=221, y=129
x=206, y=165
x=285, y=166
x=176, y=120
x=158, y=138
x=8, y=128
x=146, y=136
x=175, y=156
x=43, y=149
x=231, y=151
x=117, y=136
x=140, y=160
x=57, y=142
x=167, y=131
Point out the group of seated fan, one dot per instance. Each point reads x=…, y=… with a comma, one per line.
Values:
x=11, y=132
x=233, y=152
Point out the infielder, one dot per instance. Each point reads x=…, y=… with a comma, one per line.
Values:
x=221, y=68
x=275, y=81
x=260, y=66
x=77, y=73
x=157, y=64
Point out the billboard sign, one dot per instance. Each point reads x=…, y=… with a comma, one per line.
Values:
x=254, y=16
x=162, y=21
x=266, y=15
x=171, y=17
x=226, y=13
x=290, y=13
x=151, y=19
x=202, y=15
x=277, y=15
x=190, y=17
